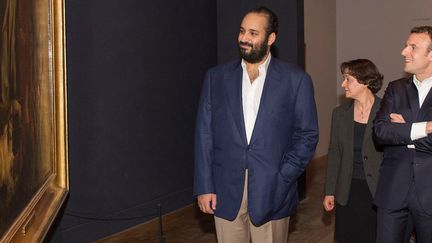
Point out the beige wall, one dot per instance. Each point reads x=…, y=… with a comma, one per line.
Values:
x=320, y=38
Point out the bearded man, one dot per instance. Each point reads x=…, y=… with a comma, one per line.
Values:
x=256, y=131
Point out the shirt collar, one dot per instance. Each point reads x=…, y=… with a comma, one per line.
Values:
x=418, y=83
x=261, y=68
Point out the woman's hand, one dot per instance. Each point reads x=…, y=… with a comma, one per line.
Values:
x=329, y=202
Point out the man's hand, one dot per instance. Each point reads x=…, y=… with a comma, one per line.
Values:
x=429, y=127
x=207, y=203
x=329, y=202
x=396, y=118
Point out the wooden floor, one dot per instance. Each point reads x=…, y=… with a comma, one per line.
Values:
x=188, y=225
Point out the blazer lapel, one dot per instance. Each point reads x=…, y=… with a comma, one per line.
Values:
x=427, y=104
x=268, y=97
x=374, y=110
x=348, y=123
x=413, y=97
x=233, y=86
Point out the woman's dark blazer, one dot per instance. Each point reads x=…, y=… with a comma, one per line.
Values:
x=340, y=157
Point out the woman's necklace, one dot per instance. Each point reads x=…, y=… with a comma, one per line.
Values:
x=364, y=112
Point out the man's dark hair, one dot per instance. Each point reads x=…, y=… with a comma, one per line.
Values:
x=365, y=72
x=423, y=29
x=272, y=19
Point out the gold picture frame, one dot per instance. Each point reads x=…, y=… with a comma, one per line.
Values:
x=33, y=118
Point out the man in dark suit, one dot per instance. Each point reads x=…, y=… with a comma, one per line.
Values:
x=403, y=124
x=256, y=131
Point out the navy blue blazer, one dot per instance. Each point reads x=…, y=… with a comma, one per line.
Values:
x=282, y=143
x=402, y=165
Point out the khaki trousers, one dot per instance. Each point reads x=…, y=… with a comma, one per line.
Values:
x=241, y=230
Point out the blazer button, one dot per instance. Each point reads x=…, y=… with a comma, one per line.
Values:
x=365, y=158
x=369, y=175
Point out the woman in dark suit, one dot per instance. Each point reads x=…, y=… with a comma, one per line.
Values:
x=353, y=159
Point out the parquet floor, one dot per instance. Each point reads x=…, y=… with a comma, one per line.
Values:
x=187, y=225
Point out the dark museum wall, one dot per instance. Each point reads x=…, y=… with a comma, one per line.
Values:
x=135, y=70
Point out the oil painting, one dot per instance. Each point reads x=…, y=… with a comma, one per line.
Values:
x=33, y=140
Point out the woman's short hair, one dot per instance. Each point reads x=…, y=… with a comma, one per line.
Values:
x=365, y=72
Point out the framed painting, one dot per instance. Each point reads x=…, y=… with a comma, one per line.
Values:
x=33, y=118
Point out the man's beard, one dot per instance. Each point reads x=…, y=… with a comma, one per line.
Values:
x=256, y=54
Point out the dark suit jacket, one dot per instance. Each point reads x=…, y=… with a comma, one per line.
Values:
x=402, y=165
x=340, y=157
x=283, y=141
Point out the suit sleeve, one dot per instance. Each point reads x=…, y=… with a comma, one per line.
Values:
x=305, y=136
x=203, y=179
x=333, y=157
x=386, y=132
x=424, y=144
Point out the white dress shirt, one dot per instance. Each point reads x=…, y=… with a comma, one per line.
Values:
x=251, y=95
x=418, y=129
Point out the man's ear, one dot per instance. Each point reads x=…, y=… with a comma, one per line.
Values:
x=271, y=39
